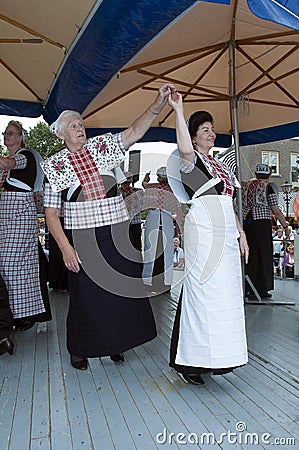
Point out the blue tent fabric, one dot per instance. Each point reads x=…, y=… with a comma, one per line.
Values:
x=272, y=134
x=156, y=134
x=284, y=12
x=20, y=108
x=107, y=45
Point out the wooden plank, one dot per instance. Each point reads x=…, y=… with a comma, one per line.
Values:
x=40, y=444
x=60, y=426
x=40, y=398
x=194, y=415
x=131, y=410
x=125, y=407
x=200, y=410
x=9, y=390
x=120, y=434
x=255, y=419
x=150, y=414
x=272, y=391
x=21, y=426
x=277, y=374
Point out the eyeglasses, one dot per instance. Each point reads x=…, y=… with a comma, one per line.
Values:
x=10, y=133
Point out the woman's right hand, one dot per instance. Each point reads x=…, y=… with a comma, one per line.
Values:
x=71, y=258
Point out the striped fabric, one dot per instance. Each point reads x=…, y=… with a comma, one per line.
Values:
x=257, y=198
x=88, y=174
x=219, y=170
x=21, y=162
x=133, y=199
x=96, y=213
x=88, y=214
x=228, y=157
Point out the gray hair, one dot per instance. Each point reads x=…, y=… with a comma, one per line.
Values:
x=58, y=127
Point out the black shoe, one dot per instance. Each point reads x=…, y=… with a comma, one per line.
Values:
x=191, y=378
x=79, y=363
x=6, y=346
x=120, y=358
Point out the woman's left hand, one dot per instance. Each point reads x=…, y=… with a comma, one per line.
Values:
x=164, y=92
x=244, y=246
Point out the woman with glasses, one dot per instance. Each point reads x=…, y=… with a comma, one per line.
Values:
x=20, y=176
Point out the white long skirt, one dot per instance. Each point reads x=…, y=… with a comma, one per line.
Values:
x=212, y=325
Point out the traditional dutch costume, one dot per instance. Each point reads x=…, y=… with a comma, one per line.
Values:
x=19, y=254
x=209, y=328
x=109, y=312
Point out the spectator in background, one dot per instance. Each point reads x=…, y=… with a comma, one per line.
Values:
x=178, y=254
x=289, y=261
x=158, y=235
x=277, y=250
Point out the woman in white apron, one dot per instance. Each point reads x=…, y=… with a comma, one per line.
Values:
x=209, y=329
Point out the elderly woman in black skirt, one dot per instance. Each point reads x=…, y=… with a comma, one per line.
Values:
x=109, y=311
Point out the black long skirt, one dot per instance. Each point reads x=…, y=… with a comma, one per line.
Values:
x=260, y=262
x=109, y=311
x=58, y=274
x=6, y=319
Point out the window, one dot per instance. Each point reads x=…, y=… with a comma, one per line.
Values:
x=272, y=159
x=294, y=167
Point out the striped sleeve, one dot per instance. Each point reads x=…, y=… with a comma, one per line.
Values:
x=52, y=199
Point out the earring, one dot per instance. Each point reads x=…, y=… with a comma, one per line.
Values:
x=62, y=141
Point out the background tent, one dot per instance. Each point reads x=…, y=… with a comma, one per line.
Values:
x=60, y=54
x=105, y=58
x=223, y=58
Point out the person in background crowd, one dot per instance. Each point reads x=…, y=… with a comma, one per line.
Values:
x=133, y=201
x=20, y=176
x=277, y=250
x=178, y=254
x=209, y=328
x=6, y=321
x=109, y=312
x=158, y=235
x=259, y=201
x=289, y=261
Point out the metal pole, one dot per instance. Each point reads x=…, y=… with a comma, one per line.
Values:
x=234, y=113
x=287, y=205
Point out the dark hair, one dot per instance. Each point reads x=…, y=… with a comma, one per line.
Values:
x=197, y=119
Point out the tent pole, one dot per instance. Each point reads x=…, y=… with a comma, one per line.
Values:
x=234, y=115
